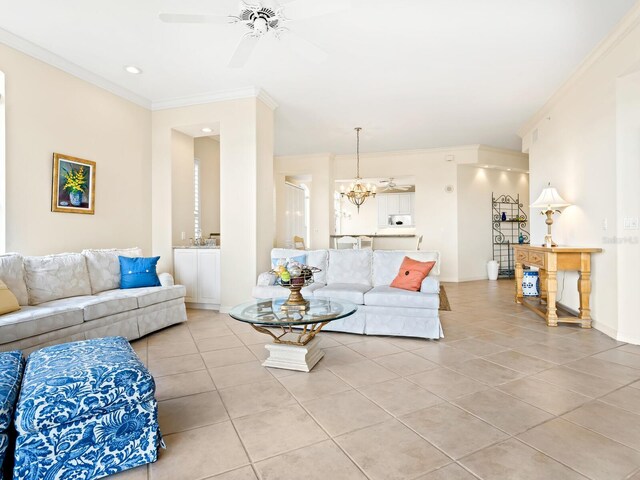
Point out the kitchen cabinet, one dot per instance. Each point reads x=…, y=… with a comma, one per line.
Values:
x=405, y=201
x=395, y=205
x=198, y=269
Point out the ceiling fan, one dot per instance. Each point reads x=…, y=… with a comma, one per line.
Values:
x=267, y=18
x=389, y=184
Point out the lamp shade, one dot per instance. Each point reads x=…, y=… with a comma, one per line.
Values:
x=550, y=198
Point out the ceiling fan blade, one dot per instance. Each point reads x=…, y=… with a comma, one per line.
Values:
x=243, y=51
x=193, y=18
x=304, y=48
x=301, y=9
x=275, y=4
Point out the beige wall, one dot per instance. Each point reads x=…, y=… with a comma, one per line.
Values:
x=475, y=186
x=207, y=150
x=586, y=144
x=628, y=179
x=50, y=111
x=320, y=168
x=246, y=187
x=182, y=204
x=435, y=209
x=356, y=222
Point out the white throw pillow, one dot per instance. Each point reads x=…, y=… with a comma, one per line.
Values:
x=56, y=276
x=104, y=267
x=349, y=266
x=12, y=274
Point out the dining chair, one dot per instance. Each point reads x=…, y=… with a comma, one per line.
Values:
x=346, y=242
x=365, y=242
x=298, y=243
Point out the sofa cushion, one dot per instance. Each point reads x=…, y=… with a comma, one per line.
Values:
x=299, y=258
x=4, y=444
x=87, y=379
x=104, y=267
x=30, y=321
x=56, y=276
x=12, y=274
x=350, y=266
x=386, y=263
x=276, y=291
x=98, y=306
x=151, y=295
x=352, y=292
x=315, y=258
x=385, y=296
x=11, y=366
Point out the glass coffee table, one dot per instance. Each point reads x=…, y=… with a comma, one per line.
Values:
x=295, y=345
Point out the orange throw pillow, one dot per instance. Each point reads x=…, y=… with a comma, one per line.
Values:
x=411, y=274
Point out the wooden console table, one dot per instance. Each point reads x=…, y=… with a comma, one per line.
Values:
x=549, y=260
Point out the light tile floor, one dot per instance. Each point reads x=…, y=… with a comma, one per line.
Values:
x=502, y=396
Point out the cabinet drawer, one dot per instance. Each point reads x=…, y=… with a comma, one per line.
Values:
x=536, y=259
x=521, y=256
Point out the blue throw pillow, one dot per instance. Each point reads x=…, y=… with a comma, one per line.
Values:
x=300, y=259
x=136, y=272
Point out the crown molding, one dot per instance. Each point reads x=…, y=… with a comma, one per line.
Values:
x=619, y=33
x=39, y=53
x=506, y=151
x=266, y=99
x=421, y=151
x=236, y=94
x=50, y=58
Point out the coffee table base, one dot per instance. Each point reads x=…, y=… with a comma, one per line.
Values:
x=294, y=357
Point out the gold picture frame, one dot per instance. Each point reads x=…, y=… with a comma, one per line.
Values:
x=74, y=185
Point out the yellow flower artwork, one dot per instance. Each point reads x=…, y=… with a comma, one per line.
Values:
x=73, y=189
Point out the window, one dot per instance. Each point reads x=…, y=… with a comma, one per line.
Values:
x=196, y=198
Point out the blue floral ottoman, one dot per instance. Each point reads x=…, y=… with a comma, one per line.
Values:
x=86, y=410
x=11, y=366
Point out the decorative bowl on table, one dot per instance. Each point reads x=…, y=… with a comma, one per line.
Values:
x=296, y=277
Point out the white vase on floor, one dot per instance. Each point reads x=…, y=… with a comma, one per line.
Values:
x=492, y=269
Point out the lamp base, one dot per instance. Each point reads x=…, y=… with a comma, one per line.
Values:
x=548, y=241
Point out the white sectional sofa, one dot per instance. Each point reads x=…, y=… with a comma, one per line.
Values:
x=363, y=277
x=77, y=296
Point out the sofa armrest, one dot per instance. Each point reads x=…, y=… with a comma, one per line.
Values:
x=431, y=284
x=166, y=279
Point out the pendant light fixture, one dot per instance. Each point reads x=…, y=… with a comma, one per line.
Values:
x=358, y=192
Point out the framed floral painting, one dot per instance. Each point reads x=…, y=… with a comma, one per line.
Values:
x=74, y=185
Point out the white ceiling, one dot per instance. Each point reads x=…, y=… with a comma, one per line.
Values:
x=413, y=73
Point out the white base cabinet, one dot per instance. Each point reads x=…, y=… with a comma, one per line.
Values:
x=198, y=269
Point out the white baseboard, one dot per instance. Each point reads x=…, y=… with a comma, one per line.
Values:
x=601, y=327
x=606, y=329
x=202, y=306
x=628, y=339
x=473, y=279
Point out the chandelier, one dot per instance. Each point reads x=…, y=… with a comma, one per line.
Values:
x=358, y=192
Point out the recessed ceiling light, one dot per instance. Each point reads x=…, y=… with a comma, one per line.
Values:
x=207, y=130
x=132, y=69
x=486, y=166
x=508, y=169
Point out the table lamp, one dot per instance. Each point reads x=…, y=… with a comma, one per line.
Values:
x=549, y=201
